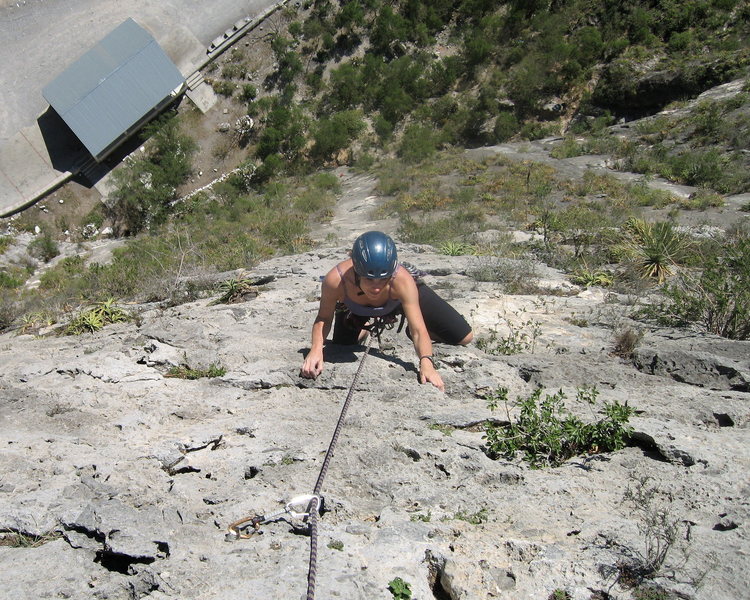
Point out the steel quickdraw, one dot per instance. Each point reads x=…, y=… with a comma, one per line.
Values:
x=245, y=528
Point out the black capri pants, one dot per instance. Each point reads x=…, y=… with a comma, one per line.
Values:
x=444, y=323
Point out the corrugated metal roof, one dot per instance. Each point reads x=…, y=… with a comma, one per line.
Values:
x=112, y=86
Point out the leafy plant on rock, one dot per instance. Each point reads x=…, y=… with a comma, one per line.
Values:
x=657, y=525
x=399, y=589
x=453, y=248
x=588, y=278
x=187, y=372
x=718, y=299
x=95, y=318
x=626, y=341
x=239, y=289
x=16, y=539
x=548, y=434
x=520, y=338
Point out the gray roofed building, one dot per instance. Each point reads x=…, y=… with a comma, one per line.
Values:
x=114, y=88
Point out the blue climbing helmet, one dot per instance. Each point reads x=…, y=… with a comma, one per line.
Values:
x=374, y=255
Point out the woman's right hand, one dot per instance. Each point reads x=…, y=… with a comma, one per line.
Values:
x=313, y=365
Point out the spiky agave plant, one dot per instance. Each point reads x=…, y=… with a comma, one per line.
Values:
x=656, y=248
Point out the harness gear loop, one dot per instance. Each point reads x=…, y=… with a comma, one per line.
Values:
x=380, y=324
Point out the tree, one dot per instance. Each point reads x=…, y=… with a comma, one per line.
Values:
x=145, y=188
x=334, y=134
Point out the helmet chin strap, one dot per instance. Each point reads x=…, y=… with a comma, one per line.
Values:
x=357, y=279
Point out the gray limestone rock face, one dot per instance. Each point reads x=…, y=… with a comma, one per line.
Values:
x=123, y=482
x=713, y=364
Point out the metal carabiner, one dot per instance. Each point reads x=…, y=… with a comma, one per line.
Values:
x=237, y=528
x=298, y=501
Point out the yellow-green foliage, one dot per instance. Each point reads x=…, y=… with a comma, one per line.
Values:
x=94, y=318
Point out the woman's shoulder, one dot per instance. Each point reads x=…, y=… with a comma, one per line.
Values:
x=338, y=273
x=403, y=282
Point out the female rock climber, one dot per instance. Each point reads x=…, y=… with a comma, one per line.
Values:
x=373, y=284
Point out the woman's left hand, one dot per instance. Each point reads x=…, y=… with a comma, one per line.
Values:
x=429, y=374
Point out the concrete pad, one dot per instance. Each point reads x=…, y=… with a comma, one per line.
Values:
x=10, y=194
x=105, y=186
x=203, y=97
x=26, y=170
x=182, y=47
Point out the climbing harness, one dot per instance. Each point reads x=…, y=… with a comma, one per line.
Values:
x=313, y=503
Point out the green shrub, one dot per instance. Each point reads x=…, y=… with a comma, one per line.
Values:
x=535, y=131
x=718, y=299
x=506, y=126
x=587, y=278
x=548, y=434
x=346, y=89
x=521, y=338
x=249, y=92
x=224, y=87
x=476, y=49
x=568, y=148
x=288, y=61
x=336, y=133
x=655, y=248
x=9, y=280
x=187, y=372
x=284, y=132
x=364, y=162
x=703, y=199
x=96, y=317
x=327, y=181
x=5, y=242
x=436, y=231
x=418, y=144
x=145, y=188
x=453, y=248
x=383, y=127
x=234, y=71
x=44, y=247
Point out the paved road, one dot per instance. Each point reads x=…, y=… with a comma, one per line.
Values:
x=39, y=38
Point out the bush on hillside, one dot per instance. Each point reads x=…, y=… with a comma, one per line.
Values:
x=336, y=133
x=145, y=187
x=418, y=143
x=44, y=247
x=718, y=299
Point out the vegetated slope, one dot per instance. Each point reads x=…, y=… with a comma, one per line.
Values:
x=361, y=83
x=409, y=77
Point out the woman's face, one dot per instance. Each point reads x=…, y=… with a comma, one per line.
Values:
x=373, y=287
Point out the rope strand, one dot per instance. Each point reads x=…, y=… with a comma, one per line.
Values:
x=312, y=571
